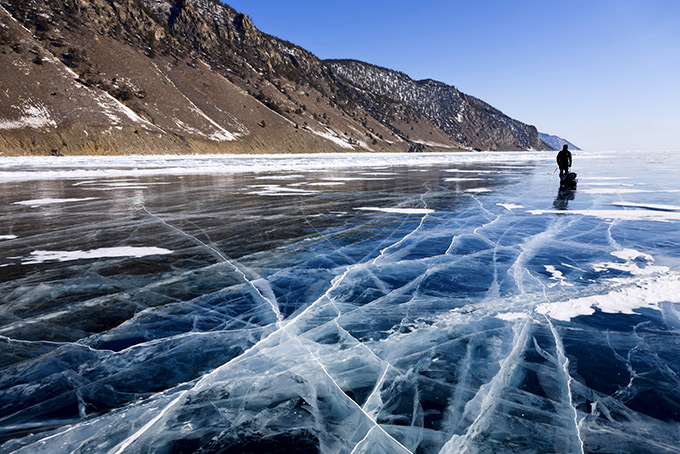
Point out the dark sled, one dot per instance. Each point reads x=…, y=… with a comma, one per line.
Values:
x=569, y=180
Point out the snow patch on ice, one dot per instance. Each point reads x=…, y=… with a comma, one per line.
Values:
x=327, y=183
x=40, y=202
x=632, y=254
x=398, y=210
x=633, y=260
x=276, y=190
x=510, y=206
x=606, y=191
x=647, y=206
x=8, y=237
x=462, y=179
x=469, y=171
x=113, y=188
x=343, y=179
x=280, y=177
x=120, y=185
x=646, y=293
x=111, y=252
x=628, y=215
x=512, y=316
x=591, y=183
x=555, y=274
x=656, y=286
x=98, y=182
x=610, y=178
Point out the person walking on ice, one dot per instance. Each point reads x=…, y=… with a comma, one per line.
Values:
x=564, y=160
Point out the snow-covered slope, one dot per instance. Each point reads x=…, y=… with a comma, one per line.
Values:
x=556, y=142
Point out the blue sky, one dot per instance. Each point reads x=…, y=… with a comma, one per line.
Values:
x=603, y=74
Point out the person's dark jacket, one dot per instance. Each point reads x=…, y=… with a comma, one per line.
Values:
x=564, y=159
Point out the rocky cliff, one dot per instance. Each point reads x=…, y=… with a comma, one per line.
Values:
x=180, y=76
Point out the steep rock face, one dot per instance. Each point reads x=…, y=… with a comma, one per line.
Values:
x=466, y=119
x=178, y=76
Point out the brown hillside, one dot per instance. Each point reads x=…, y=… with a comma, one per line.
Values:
x=195, y=76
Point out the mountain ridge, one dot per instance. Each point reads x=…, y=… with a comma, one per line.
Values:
x=556, y=142
x=196, y=76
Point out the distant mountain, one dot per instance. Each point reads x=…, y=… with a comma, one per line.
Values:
x=556, y=142
x=468, y=120
x=195, y=76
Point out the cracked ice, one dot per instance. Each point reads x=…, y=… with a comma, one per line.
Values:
x=456, y=304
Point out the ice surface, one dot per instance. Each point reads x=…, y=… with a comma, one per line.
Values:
x=74, y=167
x=349, y=303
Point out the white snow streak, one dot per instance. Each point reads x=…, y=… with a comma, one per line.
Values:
x=110, y=252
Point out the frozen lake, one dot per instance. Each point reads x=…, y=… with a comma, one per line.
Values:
x=340, y=304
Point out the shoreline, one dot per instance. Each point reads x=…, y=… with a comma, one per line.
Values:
x=27, y=168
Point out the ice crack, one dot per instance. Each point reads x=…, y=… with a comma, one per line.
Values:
x=270, y=300
x=490, y=395
x=563, y=363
